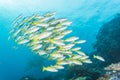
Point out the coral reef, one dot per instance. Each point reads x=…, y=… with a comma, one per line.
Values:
x=114, y=67
x=108, y=42
x=112, y=73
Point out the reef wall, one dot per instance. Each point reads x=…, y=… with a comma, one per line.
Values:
x=108, y=41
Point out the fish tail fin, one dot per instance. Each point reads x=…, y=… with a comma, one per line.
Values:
x=94, y=56
x=44, y=68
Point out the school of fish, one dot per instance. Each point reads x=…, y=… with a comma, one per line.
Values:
x=46, y=36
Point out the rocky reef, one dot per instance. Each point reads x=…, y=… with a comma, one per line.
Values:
x=112, y=72
x=108, y=41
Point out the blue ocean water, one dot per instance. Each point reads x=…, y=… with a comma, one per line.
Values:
x=87, y=17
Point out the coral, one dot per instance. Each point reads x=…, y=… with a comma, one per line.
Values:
x=110, y=75
x=101, y=78
x=114, y=67
x=112, y=72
